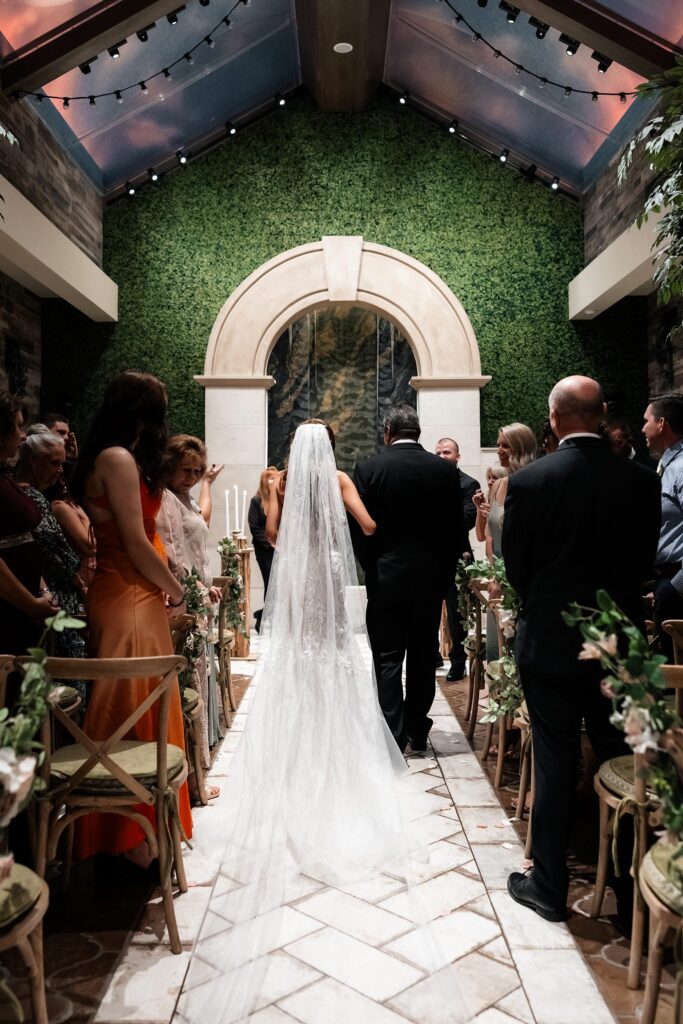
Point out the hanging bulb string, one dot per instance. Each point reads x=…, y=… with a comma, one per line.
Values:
x=165, y=71
x=543, y=80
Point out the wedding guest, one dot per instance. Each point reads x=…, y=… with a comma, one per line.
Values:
x=482, y=502
x=185, y=534
x=413, y=496
x=620, y=439
x=119, y=480
x=24, y=603
x=41, y=457
x=549, y=442
x=575, y=523
x=76, y=526
x=58, y=423
x=263, y=550
x=449, y=449
x=663, y=430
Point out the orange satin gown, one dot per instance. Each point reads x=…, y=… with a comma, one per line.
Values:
x=127, y=619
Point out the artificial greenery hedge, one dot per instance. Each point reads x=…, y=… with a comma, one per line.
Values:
x=506, y=248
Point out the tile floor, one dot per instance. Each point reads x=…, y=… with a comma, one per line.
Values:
x=350, y=955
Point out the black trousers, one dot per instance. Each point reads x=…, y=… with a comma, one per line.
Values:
x=668, y=605
x=457, y=630
x=401, y=630
x=557, y=704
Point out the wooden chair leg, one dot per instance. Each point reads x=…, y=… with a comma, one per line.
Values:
x=31, y=950
x=165, y=864
x=223, y=668
x=658, y=940
x=502, y=744
x=529, y=845
x=228, y=679
x=525, y=755
x=639, y=910
x=604, y=853
x=487, y=742
x=178, y=862
x=195, y=744
x=68, y=856
x=470, y=690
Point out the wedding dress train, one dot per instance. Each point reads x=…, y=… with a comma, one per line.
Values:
x=317, y=776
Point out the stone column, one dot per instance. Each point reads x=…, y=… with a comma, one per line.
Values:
x=450, y=407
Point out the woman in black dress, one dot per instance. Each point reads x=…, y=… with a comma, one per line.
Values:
x=263, y=549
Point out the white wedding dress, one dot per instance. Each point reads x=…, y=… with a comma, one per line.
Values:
x=315, y=782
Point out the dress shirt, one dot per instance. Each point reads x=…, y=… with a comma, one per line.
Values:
x=670, y=548
x=579, y=433
x=404, y=440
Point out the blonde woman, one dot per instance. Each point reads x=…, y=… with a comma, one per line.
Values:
x=483, y=501
x=263, y=549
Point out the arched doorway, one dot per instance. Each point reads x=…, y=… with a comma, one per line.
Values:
x=336, y=270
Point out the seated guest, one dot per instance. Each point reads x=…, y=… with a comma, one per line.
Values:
x=663, y=430
x=119, y=481
x=581, y=521
x=24, y=603
x=185, y=534
x=263, y=549
x=41, y=457
x=449, y=449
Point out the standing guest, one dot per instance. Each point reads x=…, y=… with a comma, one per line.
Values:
x=263, y=550
x=449, y=449
x=414, y=497
x=482, y=502
x=549, y=442
x=581, y=521
x=663, y=430
x=119, y=480
x=620, y=439
x=24, y=602
x=41, y=458
x=185, y=534
x=58, y=423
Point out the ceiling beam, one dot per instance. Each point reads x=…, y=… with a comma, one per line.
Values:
x=342, y=81
x=72, y=43
x=626, y=43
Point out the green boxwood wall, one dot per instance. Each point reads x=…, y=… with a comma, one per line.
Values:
x=507, y=249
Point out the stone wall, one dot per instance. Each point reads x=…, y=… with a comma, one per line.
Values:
x=610, y=208
x=20, y=343
x=47, y=175
x=664, y=346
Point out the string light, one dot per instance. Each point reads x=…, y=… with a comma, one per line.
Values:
x=143, y=87
x=153, y=176
x=119, y=97
x=130, y=189
x=189, y=58
x=555, y=183
x=280, y=100
x=180, y=157
x=453, y=127
x=230, y=128
x=403, y=99
x=209, y=42
x=92, y=101
x=505, y=153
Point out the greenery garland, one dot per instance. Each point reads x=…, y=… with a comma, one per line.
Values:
x=234, y=599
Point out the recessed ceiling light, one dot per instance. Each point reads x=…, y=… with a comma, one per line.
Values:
x=342, y=47
x=590, y=312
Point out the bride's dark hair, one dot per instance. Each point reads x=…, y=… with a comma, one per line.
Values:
x=328, y=428
x=132, y=415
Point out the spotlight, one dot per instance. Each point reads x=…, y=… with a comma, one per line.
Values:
x=180, y=157
x=555, y=183
x=511, y=12
x=153, y=176
x=91, y=100
x=571, y=45
x=403, y=98
x=594, y=97
x=453, y=127
x=280, y=100
x=209, y=42
x=172, y=18
x=65, y=102
x=189, y=58
x=504, y=154
x=530, y=173
x=113, y=51
x=603, y=62
x=130, y=188
x=85, y=66
x=540, y=26
x=143, y=34
x=230, y=128
x=119, y=97
x=568, y=90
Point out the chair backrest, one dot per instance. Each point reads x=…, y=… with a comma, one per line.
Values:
x=674, y=627
x=164, y=669
x=180, y=627
x=223, y=583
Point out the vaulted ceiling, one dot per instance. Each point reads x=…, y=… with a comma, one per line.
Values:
x=455, y=59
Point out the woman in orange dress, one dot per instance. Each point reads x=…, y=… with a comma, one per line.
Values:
x=118, y=480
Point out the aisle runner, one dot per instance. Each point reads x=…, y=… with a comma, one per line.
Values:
x=350, y=955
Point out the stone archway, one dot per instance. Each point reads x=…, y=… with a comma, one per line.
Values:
x=337, y=269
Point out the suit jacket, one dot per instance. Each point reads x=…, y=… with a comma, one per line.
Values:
x=414, y=497
x=468, y=487
x=580, y=520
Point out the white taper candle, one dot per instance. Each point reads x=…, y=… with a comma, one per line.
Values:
x=227, y=513
x=244, y=513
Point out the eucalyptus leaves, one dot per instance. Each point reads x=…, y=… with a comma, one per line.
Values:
x=234, y=616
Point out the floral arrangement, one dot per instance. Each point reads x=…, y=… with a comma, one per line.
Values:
x=634, y=682
x=234, y=612
x=20, y=753
x=198, y=605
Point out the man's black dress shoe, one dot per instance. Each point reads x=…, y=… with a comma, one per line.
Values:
x=455, y=674
x=522, y=889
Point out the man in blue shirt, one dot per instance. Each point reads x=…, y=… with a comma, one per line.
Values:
x=663, y=430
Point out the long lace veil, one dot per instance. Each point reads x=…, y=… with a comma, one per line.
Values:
x=315, y=782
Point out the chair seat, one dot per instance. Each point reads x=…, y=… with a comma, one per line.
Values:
x=617, y=776
x=18, y=893
x=190, y=699
x=664, y=880
x=470, y=643
x=136, y=757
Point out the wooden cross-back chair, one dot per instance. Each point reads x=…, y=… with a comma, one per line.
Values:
x=476, y=652
x=193, y=706
x=621, y=787
x=114, y=775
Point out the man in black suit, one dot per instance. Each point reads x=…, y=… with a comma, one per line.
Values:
x=414, y=497
x=449, y=449
x=580, y=520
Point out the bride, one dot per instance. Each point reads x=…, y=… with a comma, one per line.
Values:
x=317, y=776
